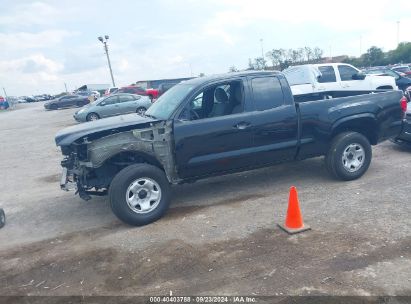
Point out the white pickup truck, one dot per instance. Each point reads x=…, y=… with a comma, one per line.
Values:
x=334, y=80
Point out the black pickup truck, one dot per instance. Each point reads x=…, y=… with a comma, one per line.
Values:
x=217, y=125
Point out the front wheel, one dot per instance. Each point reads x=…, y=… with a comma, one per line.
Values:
x=139, y=194
x=349, y=156
x=92, y=116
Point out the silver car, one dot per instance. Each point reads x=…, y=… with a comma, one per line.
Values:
x=116, y=104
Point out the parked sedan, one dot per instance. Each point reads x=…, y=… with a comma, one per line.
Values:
x=112, y=105
x=402, y=69
x=66, y=101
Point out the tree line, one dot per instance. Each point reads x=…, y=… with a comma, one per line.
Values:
x=283, y=58
x=375, y=56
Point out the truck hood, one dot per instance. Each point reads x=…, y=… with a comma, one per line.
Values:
x=103, y=126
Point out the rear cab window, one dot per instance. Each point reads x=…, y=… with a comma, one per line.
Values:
x=267, y=93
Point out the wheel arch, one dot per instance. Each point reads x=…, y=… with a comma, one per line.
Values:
x=109, y=168
x=365, y=124
x=385, y=87
x=126, y=158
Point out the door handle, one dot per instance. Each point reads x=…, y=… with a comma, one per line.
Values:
x=242, y=125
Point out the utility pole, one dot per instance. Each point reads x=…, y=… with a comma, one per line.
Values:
x=262, y=52
x=104, y=42
x=65, y=85
x=5, y=94
x=262, y=48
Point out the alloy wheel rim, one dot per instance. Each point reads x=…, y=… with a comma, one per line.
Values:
x=143, y=195
x=353, y=157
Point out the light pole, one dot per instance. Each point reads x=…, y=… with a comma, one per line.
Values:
x=104, y=42
x=262, y=52
x=262, y=48
x=398, y=33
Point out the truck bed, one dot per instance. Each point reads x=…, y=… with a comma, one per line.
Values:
x=319, y=119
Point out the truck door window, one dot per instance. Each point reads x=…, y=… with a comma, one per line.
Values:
x=346, y=72
x=267, y=93
x=327, y=74
x=217, y=100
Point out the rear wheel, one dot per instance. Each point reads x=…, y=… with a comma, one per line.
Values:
x=92, y=116
x=141, y=110
x=139, y=194
x=349, y=156
x=80, y=103
x=53, y=107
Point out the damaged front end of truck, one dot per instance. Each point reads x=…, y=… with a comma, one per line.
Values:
x=95, y=152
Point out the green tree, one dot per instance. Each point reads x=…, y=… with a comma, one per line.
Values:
x=308, y=52
x=402, y=54
x=233, y=69
x=317, y=54
x=259, y=63
x=374, y=56
x=276, y=56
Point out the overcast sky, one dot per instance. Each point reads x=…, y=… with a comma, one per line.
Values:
x=44, y=44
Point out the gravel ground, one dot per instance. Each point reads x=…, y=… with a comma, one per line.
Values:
x=219, y=237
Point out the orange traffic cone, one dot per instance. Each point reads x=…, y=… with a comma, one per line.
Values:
x=294, y=220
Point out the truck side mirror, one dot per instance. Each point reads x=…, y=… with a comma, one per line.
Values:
x=358, y=76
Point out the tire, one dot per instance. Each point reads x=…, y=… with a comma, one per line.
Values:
x=141, y=177
x=2, y=218
x=54, y=107
x=80, y=103
x=141, y=110
x=349, y=156
x=92, y=116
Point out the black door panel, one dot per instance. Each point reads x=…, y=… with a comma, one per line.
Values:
x=212, y=145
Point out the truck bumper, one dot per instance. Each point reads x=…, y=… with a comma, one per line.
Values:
x=66, y=181
x=404, y=138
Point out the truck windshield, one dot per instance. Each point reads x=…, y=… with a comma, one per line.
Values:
x=169, y=101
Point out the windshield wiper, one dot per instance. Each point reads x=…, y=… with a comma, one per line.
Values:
x=151, y=116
